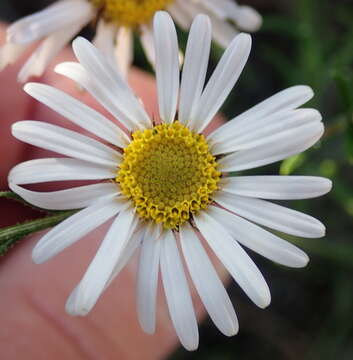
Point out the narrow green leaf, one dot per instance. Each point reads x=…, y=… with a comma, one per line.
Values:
x=289, y=165
x=343, y=79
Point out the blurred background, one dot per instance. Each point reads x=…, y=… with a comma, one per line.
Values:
x=311, y=315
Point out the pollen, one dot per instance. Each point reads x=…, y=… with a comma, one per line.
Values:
x=130, y=13
x=169, y=174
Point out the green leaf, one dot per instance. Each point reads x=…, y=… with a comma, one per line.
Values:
x=328, y=168
x=344, y=79
x=289, y=165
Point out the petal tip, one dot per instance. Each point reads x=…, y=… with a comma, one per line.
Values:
x=150, y=330
x=191, y=346
x=329, y=186
x=37, y=257
x=28, y=87
x=265, y=301
x=252, y=19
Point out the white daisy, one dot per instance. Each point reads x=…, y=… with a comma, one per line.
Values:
x=116, y=22
x=167, y=184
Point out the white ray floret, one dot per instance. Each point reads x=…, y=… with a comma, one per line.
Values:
x=74, y=228
x=58, y=169
x=177, y=293
x=221, y=82
x=261, y=241
x=55, y=25
x=209, y=286
x=235, y=259
x=236, y=211
x=167, y=66
x=147, y=279
x=277, y=187
x=195, y=67
x=79, y=113
x=66, y=142
x=273, y=216
x=74, y=198
x=86, y=294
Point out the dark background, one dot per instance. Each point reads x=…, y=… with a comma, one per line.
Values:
x=301, y=42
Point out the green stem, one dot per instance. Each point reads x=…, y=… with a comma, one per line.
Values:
x=10, y=195
x=11, y=234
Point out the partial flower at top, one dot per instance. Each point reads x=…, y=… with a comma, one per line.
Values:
x=164, y=183
x=116, y=21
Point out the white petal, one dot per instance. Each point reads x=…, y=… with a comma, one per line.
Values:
x=147, y=279
x=53, y=18
x=222, y=81
x=190, y=8
x=127, y=252
x=147, y=42
x=223, y=32
x=66, y=142
x=277, y=187
x=195, y=66
x=58, y=169
x=124, y=51
x=218, y=8
x=261, y=241
x=177, y=293
x=79, y=113
x=207, y=283
x=112, y=89
x=49, y=48
x=9, y=53
x=80, y=75
x=284, y=100
x=261, y=131
x=246, y=17
x=74, y=198
x=104, y=39
x=167, y=65
x=277, y=147
x=272, y=215
x=179, y=15
x=234, y=258
x=74, y=228
x=86, y=294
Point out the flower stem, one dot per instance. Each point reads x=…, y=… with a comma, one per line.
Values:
x=9, y=195
x=11, y=234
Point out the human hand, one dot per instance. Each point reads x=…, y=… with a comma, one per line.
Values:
x=34, y=322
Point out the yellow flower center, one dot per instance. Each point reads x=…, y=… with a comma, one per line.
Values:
x=130, y=13
x=169, y=173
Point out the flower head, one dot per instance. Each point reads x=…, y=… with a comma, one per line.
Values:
x=164, y=182
x=116, y=22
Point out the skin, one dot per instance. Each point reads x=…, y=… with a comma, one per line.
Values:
x=34, y=324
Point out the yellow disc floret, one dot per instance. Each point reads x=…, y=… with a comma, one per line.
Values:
x=130, y=13
x=169, y=173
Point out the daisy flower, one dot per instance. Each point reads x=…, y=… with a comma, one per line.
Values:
x=116, y=21
x=165, y=185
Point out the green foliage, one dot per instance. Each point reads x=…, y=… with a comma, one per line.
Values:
x=289, y=165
